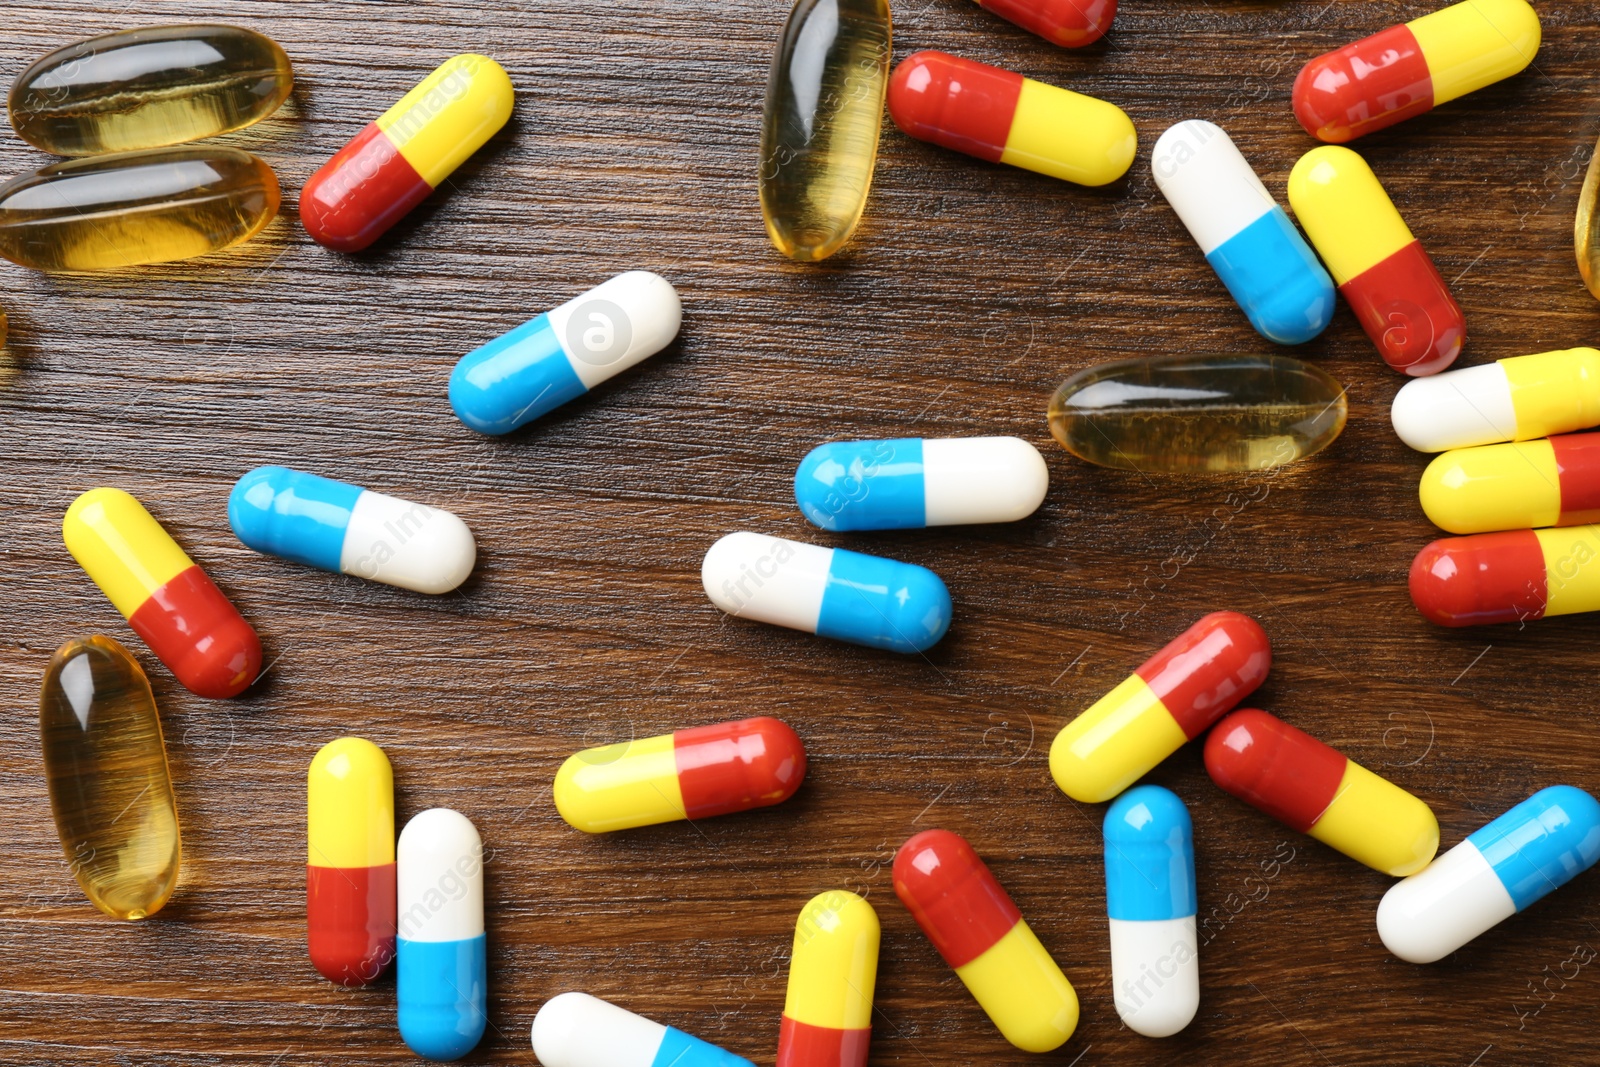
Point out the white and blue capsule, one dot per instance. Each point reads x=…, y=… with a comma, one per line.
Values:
x=1150, y=898
x=848, y=596
x=1530, y=851
x=909, y=483
x=441, y=960
x=349, y=530
x=564, y=353
x=1247, y=238
x=577, y=1030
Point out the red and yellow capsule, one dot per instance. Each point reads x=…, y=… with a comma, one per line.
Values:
x=350, y=882
x=692, y=774
x=827, y=1012
x=1508, y=577
x=164, y=595
x=1554, y=482
x=1406, y=70
x=1315, y=790
x=1068, y=23
x=1003, y=117
x=394, y=163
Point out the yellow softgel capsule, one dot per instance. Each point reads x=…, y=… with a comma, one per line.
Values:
x=1586, y=227
x=106, y=766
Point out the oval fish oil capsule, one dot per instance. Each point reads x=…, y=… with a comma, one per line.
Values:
x=148, y=88
x=973, y=923
x=1172, y=698
x=1198, y=413
x=1405, y=70
x=910, y=483
x=1247, y=238
x=164, y=595
x=833, y=968
x=577, y=1030
x=1383, y=271
x=441, y=964
x=1315, y=790
x=697, y=773
x=1535, y=848
x=820, y=123
x=1068, y=23
x=134, y=208
x=1516, y=576
x=848, y=596
x=395, y=162
x=1150, y=898
x=350, y=873
x=1514, y=399
x=1515, y=486
x=1002, y=117
x=349, y=530
x=1586, y=226
x=106, y=766
x=562, y=354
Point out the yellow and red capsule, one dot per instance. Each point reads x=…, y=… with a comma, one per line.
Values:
x=350, y=873
x=1068, y=23
x=827, y=1011
x=1553, y=482
x=1508, y=577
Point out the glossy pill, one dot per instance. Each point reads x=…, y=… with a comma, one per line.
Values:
x=577, y=1030
x=1535, y=848
x=346, y=529
x=1586, y=226
x=562, y=354
x=696, y=773
x=1384, y=273
x=848, y=596
x=350, y=868
x=134, y=208
x=1408, y=69
x=441, y=963
x=1247, y=238
x=1151, y=901
x=395, y=162
x=106, y=766
x=164, y=595
x=833, y=967
x=973, y=923
x=910, y=483
x=1185, y=414
x=1516, y=576
x=1514, y=399
x=1069, y=23
x=1315, y=790
x=819, y=127
x=1002, y=117
x=148, y=88
x=1552, y=482
x=1172, y=698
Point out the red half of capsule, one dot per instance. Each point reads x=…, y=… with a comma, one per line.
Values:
x=1270, y=765
x=955, y=103
x=1406, y=308
x=350, y=921
x=735, y=766
x=362, y=191
x=1069, y=23
x=1577, y=457
x=1208, y=669
x=952, y=895
x=199, y=635
x=1481, y=578
x=1364, y=86
x=800, y=1045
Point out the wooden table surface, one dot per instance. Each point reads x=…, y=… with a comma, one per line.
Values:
x=969, y=292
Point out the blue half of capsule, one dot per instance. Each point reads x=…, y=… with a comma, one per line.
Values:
x=863, y=485
x=514, y=379
x=1276, y=279
x=442, y=988
x=292, y=514
x=1149, y=843
x=1542, y=843
x=883, y=603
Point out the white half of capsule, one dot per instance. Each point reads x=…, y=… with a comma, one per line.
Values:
x=969, y=480
x=1155, y=974
x=413, y=546
x=767, y=579
x=1440, y=908
x=577, y=1030
x=439, y=878
x=650, y=312
x=1208, y=182
x=1456, y=409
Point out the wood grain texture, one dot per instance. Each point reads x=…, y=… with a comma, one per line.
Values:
x=968, y=294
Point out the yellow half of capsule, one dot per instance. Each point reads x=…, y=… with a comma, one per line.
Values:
x=1493, y=487
x=121, y=546
x=1112, y=744
x=350, y=805
x=1553, y=392
x=1024, y=993
x=834, y=966
x=1069, y=136
x=1374, y=821
x=449, y=115
x=1571, y=568
x=1345, y=211
x=1475, y=43
x=618, y=787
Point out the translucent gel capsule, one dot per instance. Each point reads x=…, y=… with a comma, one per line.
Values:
x=819, y=129
x=107, y=769
x=1198, y=413
x=1586, y=227
x=135, y=207
x=147, y=88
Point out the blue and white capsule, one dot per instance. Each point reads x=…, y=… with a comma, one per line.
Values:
x=848, y=596
x=1536, y=847
x=441, y=964
x=908, y=483
x=564, y=353
x=1150, y=897
x=349, y=530
x=577, y=1030
x=1273, y=274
